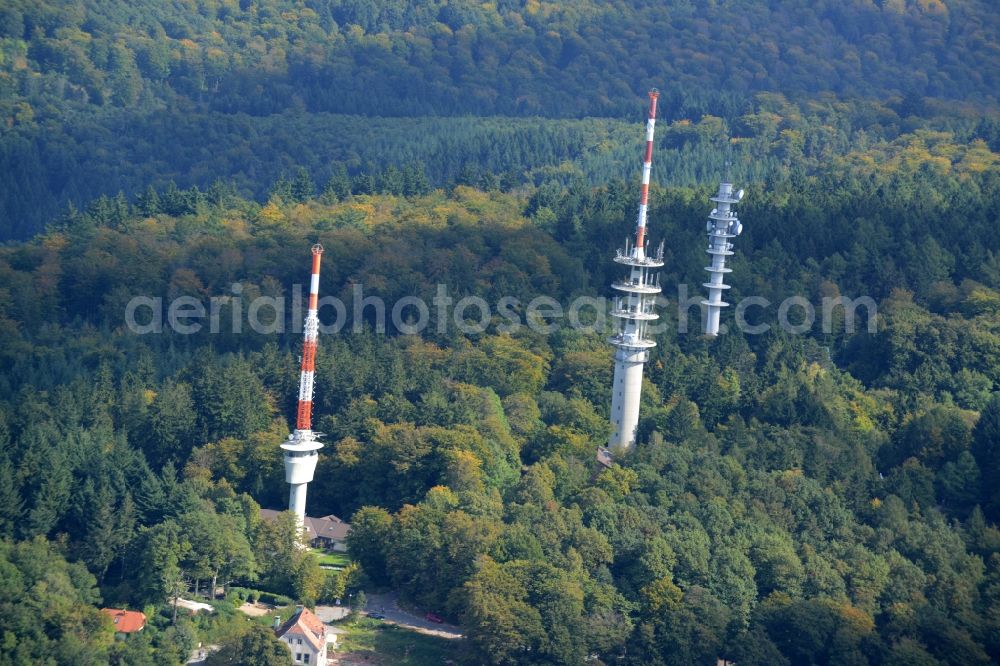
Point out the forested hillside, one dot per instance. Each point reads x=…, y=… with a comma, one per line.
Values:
x=509, y=58
x=97, y=97
x=822, y=496
x=817, y=498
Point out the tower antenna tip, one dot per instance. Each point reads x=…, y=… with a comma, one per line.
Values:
x=317, y=249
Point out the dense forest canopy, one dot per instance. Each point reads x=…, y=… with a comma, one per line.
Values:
x=97, y=97
x=836, y=481
x=510, y=58
x=822, y=496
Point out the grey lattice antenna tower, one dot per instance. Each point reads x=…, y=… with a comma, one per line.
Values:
x=722, y=225
x=634, y=308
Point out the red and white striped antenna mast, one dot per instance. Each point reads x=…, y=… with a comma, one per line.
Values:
x=302, y=447
x=307, y=378
x=634, y=307
x=647, y=167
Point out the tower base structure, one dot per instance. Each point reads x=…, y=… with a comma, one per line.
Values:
x=297, y=500
x=301, y=456
x=627, y=388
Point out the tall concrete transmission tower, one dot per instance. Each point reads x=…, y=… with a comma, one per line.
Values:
x=634, y=306
x=302, y=447
x=722, y=225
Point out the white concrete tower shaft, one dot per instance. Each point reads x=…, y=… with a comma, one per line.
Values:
x=634, y=307
x=302, y=447
x=722, y=225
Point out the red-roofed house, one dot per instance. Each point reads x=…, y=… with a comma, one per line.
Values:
x=126, y=621
x=306, y=635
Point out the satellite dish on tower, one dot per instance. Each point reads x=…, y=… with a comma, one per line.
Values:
x=739, y=195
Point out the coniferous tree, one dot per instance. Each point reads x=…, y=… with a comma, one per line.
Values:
x=11, y=505
x=51, y=497
x=338, y=187
x=986, y=449
x=302, y=187
x=98, y=546
x=171, y=429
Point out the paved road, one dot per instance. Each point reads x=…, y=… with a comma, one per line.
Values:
x=388, y=605
x=332, y=613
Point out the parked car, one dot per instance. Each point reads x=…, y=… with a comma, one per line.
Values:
x=376, y=616
x=433, y=618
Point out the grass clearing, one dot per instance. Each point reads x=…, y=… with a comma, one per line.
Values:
x=373, y=642
x=331, y=559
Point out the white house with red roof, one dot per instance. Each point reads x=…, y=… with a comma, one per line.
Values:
x=307, y=637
